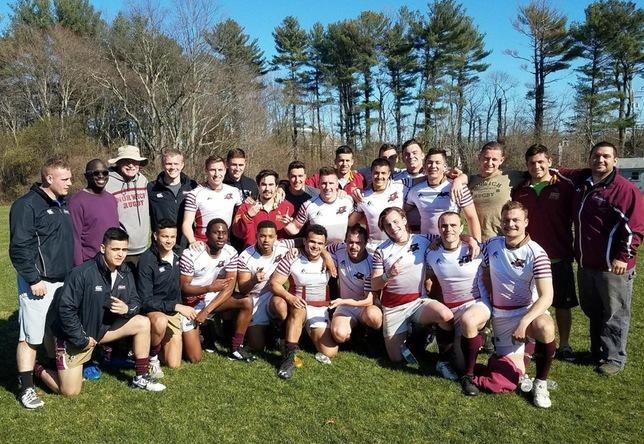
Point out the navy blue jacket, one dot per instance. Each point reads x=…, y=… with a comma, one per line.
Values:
x=158, y=282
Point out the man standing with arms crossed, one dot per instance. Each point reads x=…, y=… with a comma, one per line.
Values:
x=41, y=249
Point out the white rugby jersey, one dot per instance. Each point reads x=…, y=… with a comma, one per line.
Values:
x=251, y=261
x=434, y=201
x=374, y=202
x=332, y=216
x=513, y=272
x=409, y=180
x=208, y=204
x=457, y=273
x=409, y=284
x=308, y=280
x=204, y=269
x=351, y=275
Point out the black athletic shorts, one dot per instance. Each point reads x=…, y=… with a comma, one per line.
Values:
x=563, y=283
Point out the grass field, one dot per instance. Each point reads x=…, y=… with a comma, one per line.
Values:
x=357, y=399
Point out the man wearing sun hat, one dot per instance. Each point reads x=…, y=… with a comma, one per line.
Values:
x=130, y=188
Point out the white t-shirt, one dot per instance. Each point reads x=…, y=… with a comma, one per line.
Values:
x=434, y=201
x=374, y=202
x=251, y=261
x=409, y=284
x=204, y=268
x=351, y=275
x=513, y=273
x=307, y=279
x=208, y=204
x=457, y=273
x=333, y=216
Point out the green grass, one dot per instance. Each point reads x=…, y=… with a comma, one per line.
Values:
x=357, y=399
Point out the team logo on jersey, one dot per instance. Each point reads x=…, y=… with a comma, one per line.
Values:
x=518, y=263
x=121, y=287
x=442, y=195
x=464, y=259
x=359, y=275
x=98, y=288
x=159, y=195
x=554, y=196
x=393, y=196
x=161, y=269
x=228, y=196
x=341, y=210
x=277, y=258
x=440, y=260
x=495, y=254
x=220, y=264
x=412, y=248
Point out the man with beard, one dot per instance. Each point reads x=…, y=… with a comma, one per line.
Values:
x=208, y=279
x=130, y=188
x=168, y=191
x=93, y=210
x=253, y=212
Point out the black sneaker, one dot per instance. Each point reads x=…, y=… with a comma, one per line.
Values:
x=288, y=366
x=565, y=353
x=241, y=354
x=468, y=386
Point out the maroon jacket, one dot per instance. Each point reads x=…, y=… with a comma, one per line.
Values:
x=609, y=219
x=245, y=227
x=550, y=216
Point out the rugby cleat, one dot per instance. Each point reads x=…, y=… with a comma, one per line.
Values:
x=468, y=387
x=154, y=370
x=144, y=382
x=322, y=358
x=288, y=366
x=29, y=399
x=241, y=354
x=540, y=395
x=446, y=371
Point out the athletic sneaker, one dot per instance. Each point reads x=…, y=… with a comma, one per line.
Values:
x=145, y=383
x=322, y=358
x=241, y=354
x=288, y=366
x=91, y=372
x=446, y=371
x=609, y=369
x=154, y=369
x=468, y=386
x=565, y=353
x=29, y=399
x=540, y=395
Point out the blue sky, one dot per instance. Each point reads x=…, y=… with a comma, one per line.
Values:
x=493, y=17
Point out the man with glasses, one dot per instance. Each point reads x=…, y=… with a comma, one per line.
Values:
x=93, y=211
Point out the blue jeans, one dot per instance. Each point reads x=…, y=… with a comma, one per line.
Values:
x=606, y=299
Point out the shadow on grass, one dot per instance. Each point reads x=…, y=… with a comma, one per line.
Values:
x=9, y=335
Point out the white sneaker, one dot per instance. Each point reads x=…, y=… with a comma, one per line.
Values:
x=143, y=382
x=154, y=369
x=540, y=394
x=525, y=383
x=29, y=399
x=322, y=358
x=446, y=371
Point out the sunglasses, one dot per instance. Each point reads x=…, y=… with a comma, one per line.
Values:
x=99, y=173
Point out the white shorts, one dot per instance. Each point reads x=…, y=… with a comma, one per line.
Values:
x=316, y=317
x=261, y=315
x=461, y=309
x=188, y=325
x=504, y=326
x=32, y=311
x=350, y=312
x=397, y=320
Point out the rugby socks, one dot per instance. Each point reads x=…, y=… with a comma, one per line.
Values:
x=155, y=350
x=238, y=340
x=38, y=369
x=445, y=340
x=543, y=356
x=527, y=353
x=141, y=366
x=471, y=347
x=26, y=379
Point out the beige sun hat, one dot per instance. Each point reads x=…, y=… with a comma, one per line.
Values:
x=128, y=152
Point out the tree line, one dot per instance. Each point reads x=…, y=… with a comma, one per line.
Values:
x=183, y=78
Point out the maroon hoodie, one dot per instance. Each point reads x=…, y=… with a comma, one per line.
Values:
x=609, y=219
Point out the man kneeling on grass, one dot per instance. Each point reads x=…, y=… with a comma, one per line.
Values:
x=98, y=304
x=307, y=299
x=159, y=288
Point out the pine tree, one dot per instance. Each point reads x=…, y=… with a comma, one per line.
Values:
x=229, y=41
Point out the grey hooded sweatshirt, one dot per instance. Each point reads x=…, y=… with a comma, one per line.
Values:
x=133, y=208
